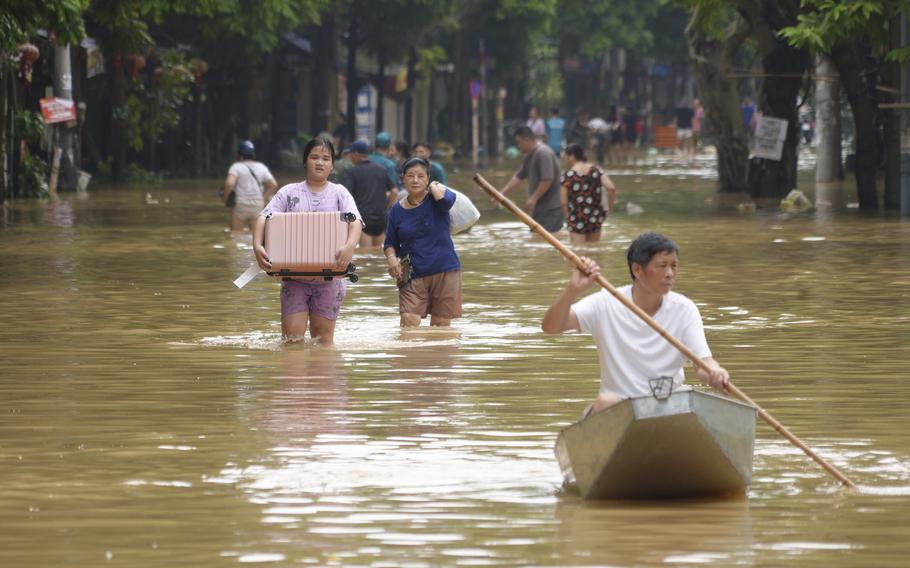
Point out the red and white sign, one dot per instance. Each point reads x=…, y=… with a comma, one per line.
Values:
x=55, y=110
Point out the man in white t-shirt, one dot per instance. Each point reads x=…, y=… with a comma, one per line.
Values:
x=632, y=353
x=252, y=182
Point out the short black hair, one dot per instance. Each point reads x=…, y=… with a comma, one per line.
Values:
x=404, y=149
x=525, y=132
x=322, y=142
x=645, y=246
x=413, y=162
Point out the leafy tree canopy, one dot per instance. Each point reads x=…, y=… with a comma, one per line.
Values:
x=20, y=19
x=826, y=22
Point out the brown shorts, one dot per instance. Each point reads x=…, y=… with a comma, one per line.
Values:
x=437, y=294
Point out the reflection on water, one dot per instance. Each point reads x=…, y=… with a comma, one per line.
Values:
x=151, y=414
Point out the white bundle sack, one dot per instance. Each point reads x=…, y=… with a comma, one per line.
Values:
x=463, y=213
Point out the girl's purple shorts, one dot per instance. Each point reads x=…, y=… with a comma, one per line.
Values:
x=320, y=298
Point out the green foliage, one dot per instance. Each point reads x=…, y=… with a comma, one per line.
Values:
x=33, y=171
x=135, y=174
x=593, y=27
x=545, y=84
x=21, y=19
x=150, y=109
x=825, y=22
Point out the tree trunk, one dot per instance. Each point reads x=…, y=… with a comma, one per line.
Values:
x=322, y=109
x=850, y=57
x=711, y=62
x=118, y=122
x=409, y=100
x=827, y=130
x=5, y=114
x=784, y=67
x=198, y=155
x=891, y=127
x=351, y=82
x=380, y=90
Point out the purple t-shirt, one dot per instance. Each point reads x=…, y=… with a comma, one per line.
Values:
x=297, y=198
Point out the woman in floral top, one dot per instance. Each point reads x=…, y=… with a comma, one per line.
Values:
x=581, y=190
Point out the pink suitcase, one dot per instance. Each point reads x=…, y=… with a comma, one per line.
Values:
x=303, y=245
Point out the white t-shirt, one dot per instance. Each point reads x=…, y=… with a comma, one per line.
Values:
x=631, y=353
x=247, y=190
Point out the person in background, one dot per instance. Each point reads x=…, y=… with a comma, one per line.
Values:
x=425, y=151
x=697, y=123
x=579, y=132
x=684, y=129
x=748, y=110
x=556, y=131
x=252, y=182
x=401, y=152
x=341, y=165
x=541, y=169
x=316, y=303
x=380, y=155
x=581, y=190
x=372, y=190
x=420, y=251
x=340, y=134
x=631, y=353
x=630, y=133
x=536, y=123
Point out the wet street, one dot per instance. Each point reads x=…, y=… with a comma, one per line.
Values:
x=150, y=415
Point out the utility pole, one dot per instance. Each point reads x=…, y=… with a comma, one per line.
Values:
x=65, y=139
x=905, y=124
x=485, y=129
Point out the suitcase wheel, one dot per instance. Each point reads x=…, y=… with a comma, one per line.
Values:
x=354, y=278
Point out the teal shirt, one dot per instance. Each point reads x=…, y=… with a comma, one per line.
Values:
x=437, y=173
x=390, y=167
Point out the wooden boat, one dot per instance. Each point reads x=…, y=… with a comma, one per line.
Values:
x=688, y=444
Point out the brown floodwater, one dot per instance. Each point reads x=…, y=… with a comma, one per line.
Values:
x=150, y=415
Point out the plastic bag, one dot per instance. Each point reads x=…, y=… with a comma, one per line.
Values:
x=463, y=213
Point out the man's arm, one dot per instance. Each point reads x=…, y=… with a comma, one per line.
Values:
x=541, y=188
x=560, y=317
x=230, y=182
x=510, y=185
x=271, y=186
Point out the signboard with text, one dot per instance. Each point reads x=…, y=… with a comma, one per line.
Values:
x=55, y=109
x=770, y=133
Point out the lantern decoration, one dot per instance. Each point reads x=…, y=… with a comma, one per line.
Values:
x=116, y=63
x=28, y=54
x=134, y=64
x=199, y=68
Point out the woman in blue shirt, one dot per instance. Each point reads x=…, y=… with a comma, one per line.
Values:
x=420, y=250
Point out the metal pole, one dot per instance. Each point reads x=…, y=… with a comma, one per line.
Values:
x=905, y=124
x=63, y=88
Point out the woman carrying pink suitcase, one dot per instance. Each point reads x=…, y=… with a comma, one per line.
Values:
x=313, y=303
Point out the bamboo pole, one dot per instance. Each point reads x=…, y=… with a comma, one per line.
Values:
x=696, y=360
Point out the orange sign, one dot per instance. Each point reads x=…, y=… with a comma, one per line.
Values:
x=57, y=110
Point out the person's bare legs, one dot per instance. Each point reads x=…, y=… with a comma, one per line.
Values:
x=293, y=327
x=437, y=321
x=322, y=330
x=410, y=320
x=371, y=241
x=593, y=236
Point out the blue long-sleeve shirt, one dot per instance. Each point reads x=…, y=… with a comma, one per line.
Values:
x=423, y=233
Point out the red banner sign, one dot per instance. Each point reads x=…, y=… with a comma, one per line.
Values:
x=57, y=110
